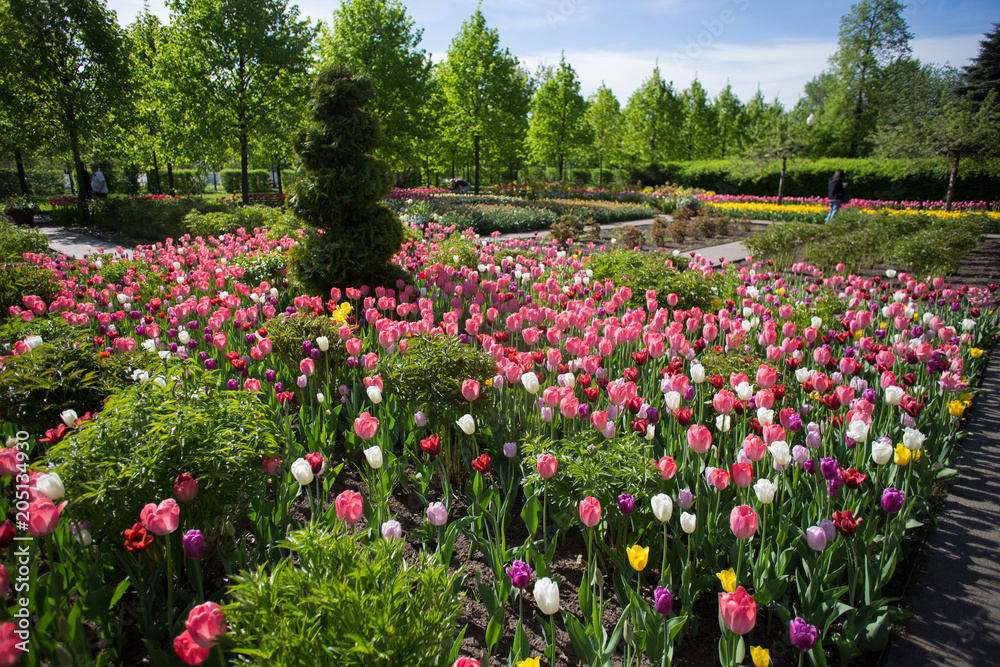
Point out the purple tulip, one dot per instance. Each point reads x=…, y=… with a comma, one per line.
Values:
x=833, y=486
x=828, y=468
x=270, y=376
x=233, y=385
x=795, y=422
x=828, y=529
x=813, y=439
x=689, y=394
x=663, y=601
x=314, y=354
x=510, y=449
x=816, y=538
x=520, y=574
x=802, y=635
x=626, y=503
x=684, y=499
x=583, y=411
x=194, y=544
x=210, y=364
x=893, y=500
x=809, y=465
x=653, y=415
x=391, y=530
x=420, y=419
x=800, y=454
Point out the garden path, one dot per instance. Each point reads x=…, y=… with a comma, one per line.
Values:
x=955, y=594
x=72, y=244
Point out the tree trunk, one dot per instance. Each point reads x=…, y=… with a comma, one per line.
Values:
x=69, y=172
x=951, y=181
x=215, y=177
x=560, y=168
x=277, y=168
x=170, y=178
x=156, y=175
x=600, y=171
x=476, y=140
x=244, y=163
x=781, y=181
x=22, y=178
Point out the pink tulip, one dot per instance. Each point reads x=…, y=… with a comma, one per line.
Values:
x=365, y=426
x=666, y=467
x=743, y=522
x=590, y=511
x=350, y=506
x=699, y=438
x=219, y=340
x=742, y=474
x=8, y=462
x=353, y=346
x=307, y=367
x=766, y=377
x=772, y=433
x=718, y=478
x=599, y=420
x=738, y=611
x=723, y=402
x=547, y=465
x=43, y=516
x=205, y=624
x=185, y=487
x=10, y=644
x=251, y=384
x=470, y=390
x=161, y=519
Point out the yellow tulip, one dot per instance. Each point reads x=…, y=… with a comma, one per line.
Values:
x=976, y=352
x=638, y=557
x=956, y=408
x=761, y=656
x=858, y=335
x=530, y=662
x=902, y=457
x=728, y=579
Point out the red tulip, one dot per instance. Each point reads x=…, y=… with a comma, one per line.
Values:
x=136, y=538
x=742, y=474
x=185, y=487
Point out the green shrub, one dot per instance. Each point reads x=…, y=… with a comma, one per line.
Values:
x=41, y=182
x=937, y=249
x=18, y=280
x=154, y=218
x=430, y=372
x=455, y=246
x=259, y=180
x=345, y=604
x=15, y=241
x=642, y=272
x=65, y=372
x=486, y=219
x=146, y=436
x=781, y=241
x=249, y=217
x=287, y=334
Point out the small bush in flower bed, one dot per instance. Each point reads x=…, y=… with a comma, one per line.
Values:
x=344, y=603
x=218, y=223
x=146, y=435
x=18, y=279
x=504, y=218
x=151, y=217
x=295, y=337
x=642, y=272
x=15, y=241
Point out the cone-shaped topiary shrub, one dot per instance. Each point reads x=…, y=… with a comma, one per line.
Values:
x=342, y=191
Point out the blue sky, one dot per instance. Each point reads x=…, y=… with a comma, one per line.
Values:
x=776, y=45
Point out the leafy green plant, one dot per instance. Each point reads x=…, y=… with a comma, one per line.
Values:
x=15, y=241
x=248, y=217
x=642, y=272
x=937, y=249
x=781, y=241
x=18, y=280
x=456, y=245
x=345, y=604
x=568, y=227
x=429, y=373
x=147, y=435
x=151, y=217
x=288, y=333
x=631, y=237
x=19, y=205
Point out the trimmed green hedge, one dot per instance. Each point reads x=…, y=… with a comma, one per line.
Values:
x=186, y=182
x=897, y=180
x=41, y=182
x=260, y=180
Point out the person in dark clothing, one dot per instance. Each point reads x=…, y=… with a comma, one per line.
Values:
x=836, y=193
x=460, y=186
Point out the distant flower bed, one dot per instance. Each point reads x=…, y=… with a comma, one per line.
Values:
x=855, y=203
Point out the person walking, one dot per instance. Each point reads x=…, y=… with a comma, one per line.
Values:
x=837, y=193
x=98, y=184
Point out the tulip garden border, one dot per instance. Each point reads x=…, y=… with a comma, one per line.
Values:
x=705, y=445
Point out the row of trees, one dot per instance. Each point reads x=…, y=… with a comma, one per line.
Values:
x=228, y=79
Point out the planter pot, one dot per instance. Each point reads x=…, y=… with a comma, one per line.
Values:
x=22, y=217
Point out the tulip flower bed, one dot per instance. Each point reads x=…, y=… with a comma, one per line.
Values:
x=588, y=460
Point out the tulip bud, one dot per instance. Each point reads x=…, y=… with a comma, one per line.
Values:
x=302, y=472
x=663, y=507
x=467, y=424
x=194, y=544
x=689, y=522
x=374, y=457
x=437, y=514
x=547, y=596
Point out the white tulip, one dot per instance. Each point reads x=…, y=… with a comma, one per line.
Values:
x=183, y=337
x=893, y=395
x=890, y=273
x=968, y=325
x=780, y=452
x=802, y=374
x=689, y=522
x=69, y=417
x=323, y=343
x=650, y=432
x=663, y=507
x=374, y=394
x=723, y=423
x=302, y=472
x=374, y=457
x=51, y=486
x=547, y=596
x=913, y=439
x=33, y=341
x=765, y=488
x=697, y=373
x=765, y=416
x=467, y=424
x=857, y=431
x=882, y=451
x=672, y=400
x=816, y=322
x=530, y=382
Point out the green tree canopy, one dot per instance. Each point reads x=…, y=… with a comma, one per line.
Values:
x=376, y=37
x=700, y=131
x=237, y=63
x=604, y=118
x=983, y=75
x=654, y=117
x=556, y=128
